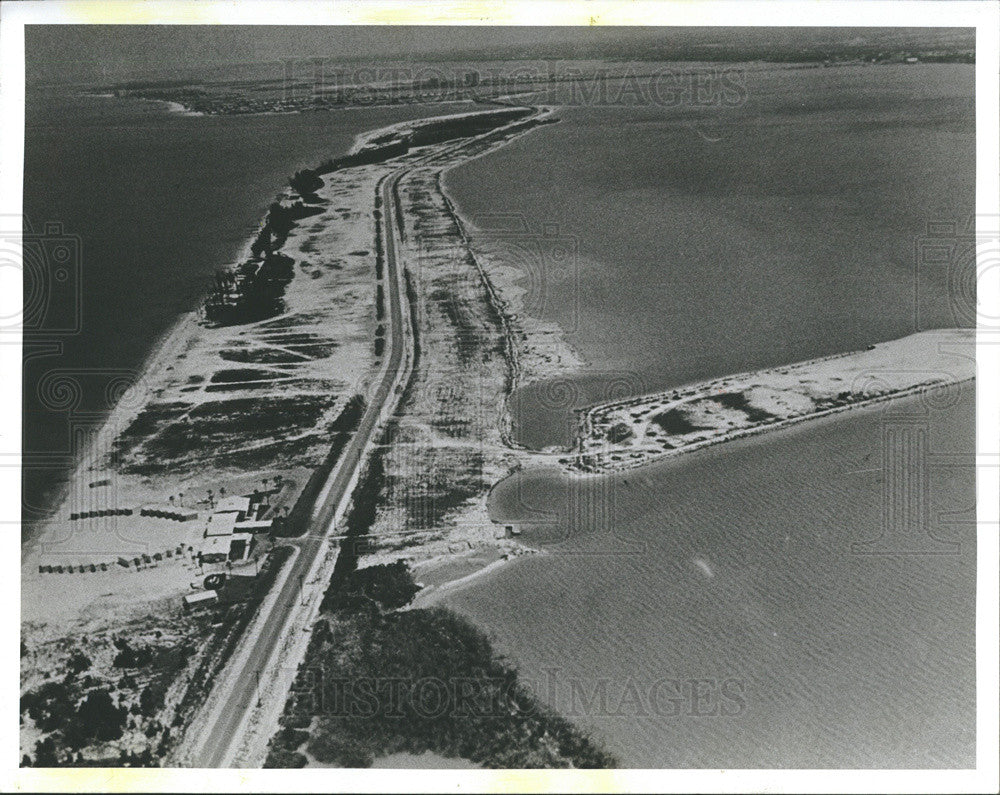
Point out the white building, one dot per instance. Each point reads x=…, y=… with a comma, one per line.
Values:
x=239, y=505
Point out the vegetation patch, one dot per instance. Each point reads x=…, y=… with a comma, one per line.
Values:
x=105, y=703
x=239, y=376
x=221, y=427
x=261, y=416
x=676, y=423
x=264, y=456
x=247, y=355
x=338, y=434
x=377, y=682
x=150, y=420
x=620, y=432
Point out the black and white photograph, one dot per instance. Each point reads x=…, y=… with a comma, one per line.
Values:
x=506, y=398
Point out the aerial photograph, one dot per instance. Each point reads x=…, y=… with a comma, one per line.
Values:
x=499, y=397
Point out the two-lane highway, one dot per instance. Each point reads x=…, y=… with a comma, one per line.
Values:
x=218, y=734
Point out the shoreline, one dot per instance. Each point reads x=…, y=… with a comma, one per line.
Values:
x=172, y=106
x=501, y=308
x=431, y=595
x=119, y=416
x=620, y=435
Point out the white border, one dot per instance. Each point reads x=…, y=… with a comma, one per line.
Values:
x=983, y=15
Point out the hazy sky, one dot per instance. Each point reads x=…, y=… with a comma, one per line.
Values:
x=111, y=53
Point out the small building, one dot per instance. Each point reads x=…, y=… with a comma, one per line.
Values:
x=225, y=548
x=238, y=505
x=221, y=524
x=200, y=599
x=215, y=550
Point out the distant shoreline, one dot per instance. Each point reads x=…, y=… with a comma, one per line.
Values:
x=171, y=106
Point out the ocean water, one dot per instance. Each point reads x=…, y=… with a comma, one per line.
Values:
x=748, y=568
x=715, y=240
x=717, y=610
x=150, y=204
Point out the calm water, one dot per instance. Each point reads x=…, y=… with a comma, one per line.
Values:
x=712, y=241
x=709, y=242
x=736, y=565
x=154, y=203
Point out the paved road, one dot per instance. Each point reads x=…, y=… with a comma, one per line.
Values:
x=219, y=736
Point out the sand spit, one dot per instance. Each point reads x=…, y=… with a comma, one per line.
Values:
x=629, y=433
x=419, y=132
x=452, y=441
x=169, y=105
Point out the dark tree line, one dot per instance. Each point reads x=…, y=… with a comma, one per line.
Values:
x=305, y=183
